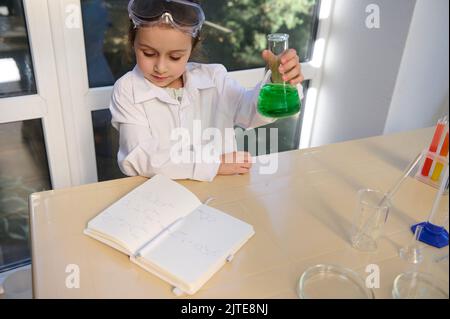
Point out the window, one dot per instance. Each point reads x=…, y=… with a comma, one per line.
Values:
x=234, y=35
x=23, y=162
x=23, y=170
x=16, y=76
x=106, y=146
x=235, y=31
x=29, y=111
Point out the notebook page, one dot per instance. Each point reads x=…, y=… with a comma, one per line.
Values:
x=197, y=247
x=144, y=212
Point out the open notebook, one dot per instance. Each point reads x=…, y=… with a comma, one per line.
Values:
x=166, y=230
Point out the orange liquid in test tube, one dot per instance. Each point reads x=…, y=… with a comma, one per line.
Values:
x=433, y=147
x=439, y=166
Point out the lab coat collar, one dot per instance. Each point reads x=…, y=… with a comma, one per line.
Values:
x=144, y=90
x=196, y=78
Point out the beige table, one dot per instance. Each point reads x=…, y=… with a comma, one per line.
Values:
x=301, y=215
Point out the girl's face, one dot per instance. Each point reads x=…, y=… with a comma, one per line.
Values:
x=162, y=53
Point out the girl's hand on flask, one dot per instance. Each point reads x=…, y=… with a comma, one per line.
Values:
x=235, y=163
x=289, y=67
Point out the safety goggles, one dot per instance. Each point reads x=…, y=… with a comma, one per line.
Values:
x=184, y=15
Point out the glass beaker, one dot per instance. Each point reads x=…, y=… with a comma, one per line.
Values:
x=279, y=98
x=368, y=220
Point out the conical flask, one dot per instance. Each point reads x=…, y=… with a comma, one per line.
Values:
x=278, y=99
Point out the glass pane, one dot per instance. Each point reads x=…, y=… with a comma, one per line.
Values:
x=236, y=30
x=234, y=34
x=106, y=140
x=23, y=170
x=16, y=76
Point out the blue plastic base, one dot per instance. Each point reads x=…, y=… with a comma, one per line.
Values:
x=433, y=235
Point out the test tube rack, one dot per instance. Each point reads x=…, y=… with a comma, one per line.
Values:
x=435, y=173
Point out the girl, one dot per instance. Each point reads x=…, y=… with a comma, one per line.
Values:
x=164, y=93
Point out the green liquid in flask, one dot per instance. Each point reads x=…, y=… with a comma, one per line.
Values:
x=278, y=100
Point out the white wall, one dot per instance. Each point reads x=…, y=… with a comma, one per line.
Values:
x=421, y=92
x=360, y=70
x=442, y=111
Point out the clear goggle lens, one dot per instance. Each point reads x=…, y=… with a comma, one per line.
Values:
x=183, y=14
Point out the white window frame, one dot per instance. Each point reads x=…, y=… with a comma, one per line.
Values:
x=78, y=101
x=44, y=105
x=314, y=70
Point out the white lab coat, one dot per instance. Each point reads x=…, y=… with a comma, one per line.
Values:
x=146, y=115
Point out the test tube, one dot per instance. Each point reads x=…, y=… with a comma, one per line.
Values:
x=434, y=145
x=439, y=166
